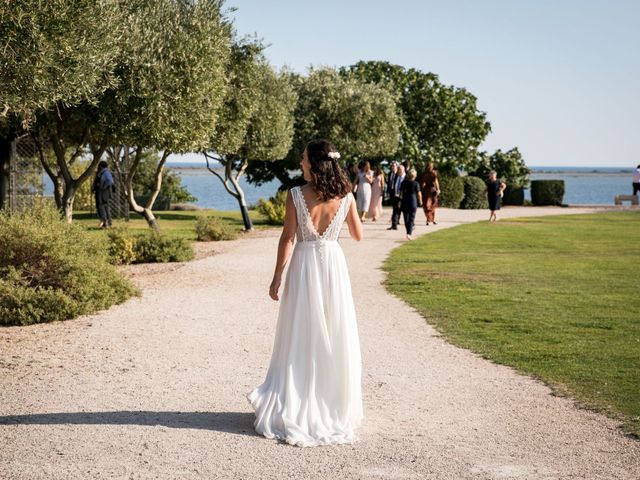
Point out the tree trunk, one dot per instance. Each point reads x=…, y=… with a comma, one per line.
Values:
x=237, y=191
x=58, y=193
x=146, y=211
x=67, y=202
x=235, y=181
x=5, y=156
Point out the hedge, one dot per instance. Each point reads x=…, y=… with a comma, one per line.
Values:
x=451, y=191
x=513, y=195
x=547, y=192
x=475, y=196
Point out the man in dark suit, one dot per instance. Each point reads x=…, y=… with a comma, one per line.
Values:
x=394, y=195
x=393, y=172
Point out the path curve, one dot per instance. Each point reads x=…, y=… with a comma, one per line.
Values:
x=155, y=388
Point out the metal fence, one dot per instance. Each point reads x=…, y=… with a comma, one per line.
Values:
x=26, y=181
x=26, y=184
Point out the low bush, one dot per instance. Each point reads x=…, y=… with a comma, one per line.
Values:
x=274, y=208
x=212, y=229
x=158, y=248
x=125, y=248
x=451, y=191
x=51, y=270
x=122, y=246
x=513, y=195
x=547, y=192
x=474, y=194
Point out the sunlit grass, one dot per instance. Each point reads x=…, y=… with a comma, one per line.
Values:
x=173, y=223
x=555, y=297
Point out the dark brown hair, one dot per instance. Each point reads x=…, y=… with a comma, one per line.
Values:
x=327, y=176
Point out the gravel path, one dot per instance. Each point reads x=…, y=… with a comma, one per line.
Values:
x=155, y=388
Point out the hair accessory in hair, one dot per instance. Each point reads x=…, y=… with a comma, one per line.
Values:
x=333, y=155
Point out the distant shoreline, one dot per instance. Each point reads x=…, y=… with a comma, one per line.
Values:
x=574, y=171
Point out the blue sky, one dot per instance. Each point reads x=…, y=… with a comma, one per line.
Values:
x=558, y=79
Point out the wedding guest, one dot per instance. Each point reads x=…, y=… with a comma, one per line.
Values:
x=103, y=186
x=636, y=180
x=430, y=188
x=377, y=189
x=351, y=171
x=411, y=200
x=393, y=172
x=395, y=198
x=494, y=191
x=363, y=188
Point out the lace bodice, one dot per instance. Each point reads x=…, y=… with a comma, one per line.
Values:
x=306, y=231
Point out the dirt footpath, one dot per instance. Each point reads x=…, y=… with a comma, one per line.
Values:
x=155, y=388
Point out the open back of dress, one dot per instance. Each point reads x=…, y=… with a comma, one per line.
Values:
x=312, y=391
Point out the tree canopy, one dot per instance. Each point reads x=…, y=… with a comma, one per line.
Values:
x=360, y=118
x=509, y=166
x=58, y=51
x=439, y=123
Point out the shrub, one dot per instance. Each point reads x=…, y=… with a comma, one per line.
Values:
x=122, y=246
x=509, y=166
x=474, y=194
x=547, y=192
x=125, y=248
x=274, y=208
x=51, y=270
x=212, y=229
x=513, y=195
x=158, y=248
x=451, y=191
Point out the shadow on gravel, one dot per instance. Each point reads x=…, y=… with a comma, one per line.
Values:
x=240, y=423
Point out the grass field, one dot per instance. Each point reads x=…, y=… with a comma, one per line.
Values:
x=554, y=297
x=173, y=223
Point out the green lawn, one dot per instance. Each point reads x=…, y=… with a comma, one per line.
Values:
x=555, y=297
x=173, y=223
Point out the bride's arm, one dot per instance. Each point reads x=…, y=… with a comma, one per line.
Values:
x=284, y=245
x=354, y=223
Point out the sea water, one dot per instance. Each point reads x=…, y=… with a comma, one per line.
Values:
x=583, y=185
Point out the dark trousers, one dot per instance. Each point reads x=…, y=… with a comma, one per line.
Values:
x=636, y=188
x=104, y=212
x=409, y=214
x=397, y=210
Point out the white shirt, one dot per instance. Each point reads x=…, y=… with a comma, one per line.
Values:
x=636, y=176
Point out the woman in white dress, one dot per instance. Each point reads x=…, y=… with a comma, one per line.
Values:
x=312, y=391
x=363, y=189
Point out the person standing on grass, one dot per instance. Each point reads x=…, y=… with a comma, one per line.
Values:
x=395, y=198
x=636, y=180
x=411, y=200
x=430, y=188
x=494, y=191
x=377, y=190
x=103, y=187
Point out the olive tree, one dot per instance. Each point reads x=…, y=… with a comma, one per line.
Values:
x=256, y=121
x=53, y=55
x=359, y=118
x=171, y=86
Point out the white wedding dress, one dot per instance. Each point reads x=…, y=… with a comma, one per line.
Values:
x=312, y=391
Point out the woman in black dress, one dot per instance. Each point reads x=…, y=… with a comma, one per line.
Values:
x=494, y=194
x=411, y=200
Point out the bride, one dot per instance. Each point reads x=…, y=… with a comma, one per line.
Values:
x=311, y=394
